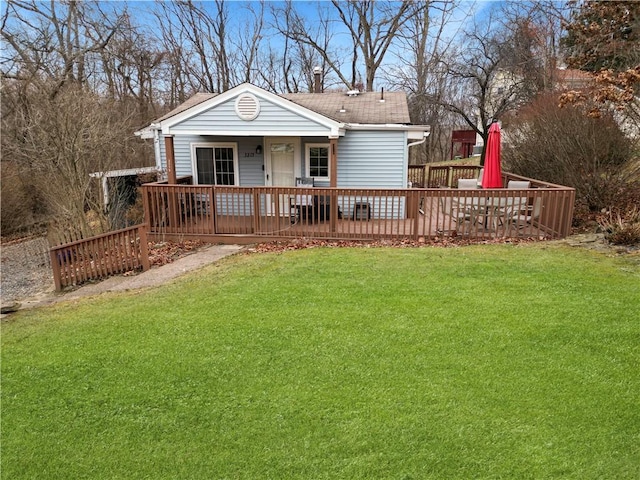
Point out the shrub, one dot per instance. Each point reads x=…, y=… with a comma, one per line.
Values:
x=19, y=202
x=564, y=145
x=621, y=227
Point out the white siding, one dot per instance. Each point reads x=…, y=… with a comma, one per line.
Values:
x=372, y=159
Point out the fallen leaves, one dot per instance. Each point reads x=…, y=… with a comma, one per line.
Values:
x=168, y=252
x=446, y=242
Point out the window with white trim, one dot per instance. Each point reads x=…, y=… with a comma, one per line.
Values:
x=215, y=163
x=317, y=160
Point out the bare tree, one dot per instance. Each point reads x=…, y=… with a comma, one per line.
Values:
x=131, y=69
x=415, y=70
x=49, y=43
x=306, y=45
x=536, y=28
x=373, y=27
x=248, y=43
x=63, y=140
x=60, y=120
x=196, y=35
x=484, y=85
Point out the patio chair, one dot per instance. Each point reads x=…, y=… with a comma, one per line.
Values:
x=518, y=185
x=467, y=184
x=525, y=218
x=464, y=210
x=515, y=206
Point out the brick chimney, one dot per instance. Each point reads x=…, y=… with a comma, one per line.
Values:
x=317, y=80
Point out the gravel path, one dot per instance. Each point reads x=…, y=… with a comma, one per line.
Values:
x=25, y=271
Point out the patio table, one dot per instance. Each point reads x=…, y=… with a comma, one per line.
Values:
x=496, y=208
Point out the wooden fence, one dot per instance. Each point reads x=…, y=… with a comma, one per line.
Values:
x=252, y=214
x=99, y=257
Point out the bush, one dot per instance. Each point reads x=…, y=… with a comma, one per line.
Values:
x=564, y=145
x=621, y=228
x=20, y=211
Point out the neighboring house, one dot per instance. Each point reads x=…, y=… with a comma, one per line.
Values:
x=505, y=86
x=571, y=79
x=248, y=136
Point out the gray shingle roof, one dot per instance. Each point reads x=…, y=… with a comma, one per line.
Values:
x=192, y=101
x=365, y=107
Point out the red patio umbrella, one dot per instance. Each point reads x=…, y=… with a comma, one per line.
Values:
x=492, y=177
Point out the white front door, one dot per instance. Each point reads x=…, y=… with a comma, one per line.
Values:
x=281, y=169
x=283, y=161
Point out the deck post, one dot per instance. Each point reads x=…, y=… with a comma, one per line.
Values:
x=144, y=247
x=333, y=183
x=171, y=159
x=55, y=266
x=333, y=162
x=147, y=206
x=256, y=211
x=172, y=197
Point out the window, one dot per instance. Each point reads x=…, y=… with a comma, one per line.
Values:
x=317, y=160
x=215, y=164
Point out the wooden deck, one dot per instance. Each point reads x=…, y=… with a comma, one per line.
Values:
x=243, y=214
x=261, y=214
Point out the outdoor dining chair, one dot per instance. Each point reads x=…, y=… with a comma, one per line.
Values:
x=464, y=208
x=518, y=184
x=516, y=205
x=467, y=183
x=525, y=218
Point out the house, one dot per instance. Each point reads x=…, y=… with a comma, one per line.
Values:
x=248, y=136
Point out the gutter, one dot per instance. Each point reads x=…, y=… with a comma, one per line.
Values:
x=419, y=142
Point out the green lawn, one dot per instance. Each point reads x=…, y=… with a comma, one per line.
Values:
x=476, y=362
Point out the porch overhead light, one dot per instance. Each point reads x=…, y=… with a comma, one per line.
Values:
x=259, y=149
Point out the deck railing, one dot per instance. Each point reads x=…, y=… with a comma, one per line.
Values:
x=428, y=176
x=250, y=214
x=100, y=256
x=418, y=175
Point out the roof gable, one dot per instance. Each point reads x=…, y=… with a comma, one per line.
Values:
x=202, y=104
x=327, y=108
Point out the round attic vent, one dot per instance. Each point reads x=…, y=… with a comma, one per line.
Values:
x=247, y=106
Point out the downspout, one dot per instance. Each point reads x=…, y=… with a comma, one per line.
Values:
x=413, y=144
x=419, y=142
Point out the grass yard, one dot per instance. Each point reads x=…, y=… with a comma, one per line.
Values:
x=493, y=361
